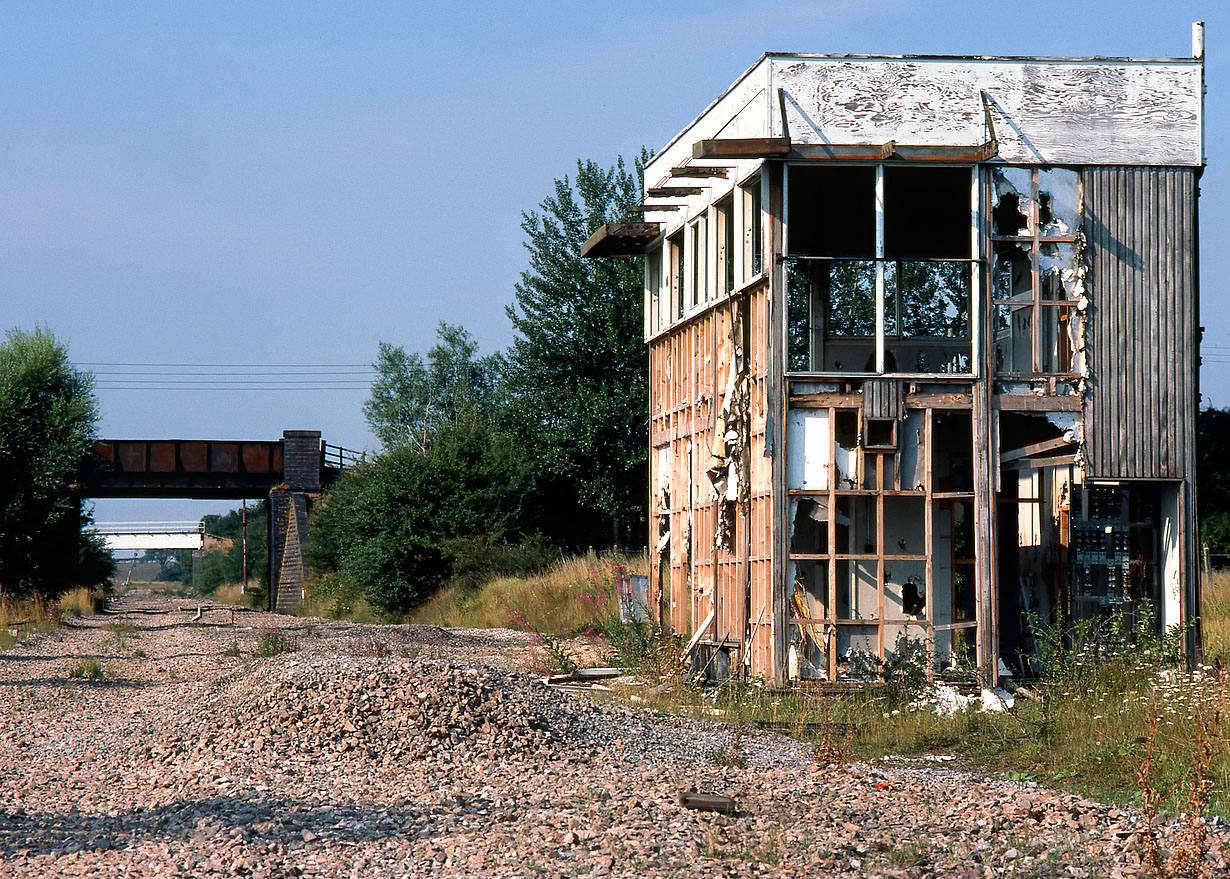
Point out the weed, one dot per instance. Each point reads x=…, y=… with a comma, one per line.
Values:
x=557, y=657
x=88, y=670
x=767, y=848
x=565, y=598
x=138, y=654
x=908, y=855
x=82, y=602
x=233, y=651
x=270, y=641
x=732, y=754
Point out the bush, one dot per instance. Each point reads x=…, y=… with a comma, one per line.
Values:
x=272, y=641
x=394, y=528
x=47, y=430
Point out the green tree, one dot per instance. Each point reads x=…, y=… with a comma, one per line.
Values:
x=394, y=527
x=575, y=380
x=412, y=398
x=1213, y=482
x=211, y=568
x=47, y=429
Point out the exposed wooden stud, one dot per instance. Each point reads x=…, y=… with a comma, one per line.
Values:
x=1034, y=448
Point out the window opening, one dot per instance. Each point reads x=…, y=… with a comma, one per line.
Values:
x=653, y=281
x=879, y=284
x=675, y=252
x=892, y=532
x=725, y=261
x=700, y=262
x=753, y=237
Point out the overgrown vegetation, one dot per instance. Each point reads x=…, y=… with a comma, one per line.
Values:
x=223, y=565
x=47, y=430
x=271, y=641
x=1111, y=698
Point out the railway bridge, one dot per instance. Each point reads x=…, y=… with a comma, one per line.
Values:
x=290, y=472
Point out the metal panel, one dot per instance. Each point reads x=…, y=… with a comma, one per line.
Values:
x=1141, y=340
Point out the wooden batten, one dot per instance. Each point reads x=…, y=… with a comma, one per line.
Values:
x=742, y=148
x=700, y=171
x=673, y=191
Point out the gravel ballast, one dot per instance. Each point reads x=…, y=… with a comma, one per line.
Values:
x=418, y=751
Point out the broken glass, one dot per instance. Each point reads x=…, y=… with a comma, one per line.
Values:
x=1012, y=195
x=1059, y=192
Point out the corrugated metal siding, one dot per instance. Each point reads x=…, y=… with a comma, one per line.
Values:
x=1140, y=226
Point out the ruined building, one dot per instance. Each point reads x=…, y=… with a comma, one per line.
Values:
x=923, y=344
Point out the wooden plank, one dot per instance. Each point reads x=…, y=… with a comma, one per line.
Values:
x=1038, y=463
x=703, y=802
x=620, y=239
x=824, y=401
x=673, y=191
x=938, y=401
x=1035, y=403
x=1034, y=448
x=700, y=171
x=741, y=148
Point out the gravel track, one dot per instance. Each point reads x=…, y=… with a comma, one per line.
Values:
x=419, y=751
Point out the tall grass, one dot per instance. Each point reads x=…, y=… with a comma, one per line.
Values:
x=21, y=616
x=573, y=595
x=1215, y=607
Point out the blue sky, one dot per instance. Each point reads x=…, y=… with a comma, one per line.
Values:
x=278, y=183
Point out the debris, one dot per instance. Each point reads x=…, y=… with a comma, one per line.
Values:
x=702, y=802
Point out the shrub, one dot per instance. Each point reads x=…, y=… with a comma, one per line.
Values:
x=87, y=669
x=391, y=528
x=271, y=641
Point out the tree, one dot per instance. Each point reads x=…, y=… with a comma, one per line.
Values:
x=576, y=374
x=411, y=400
x=1213, y=481
x=47, y=430
x=394, y=527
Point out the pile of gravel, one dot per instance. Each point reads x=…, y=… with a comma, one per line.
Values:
x=392, y=710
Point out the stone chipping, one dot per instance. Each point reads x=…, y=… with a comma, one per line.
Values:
x=415, y=751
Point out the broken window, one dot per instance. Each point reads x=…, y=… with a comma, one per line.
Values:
x=1037, y=277
x=882, y=509
x=880, y=269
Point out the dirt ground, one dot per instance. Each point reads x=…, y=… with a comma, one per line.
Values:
x=418, y=751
